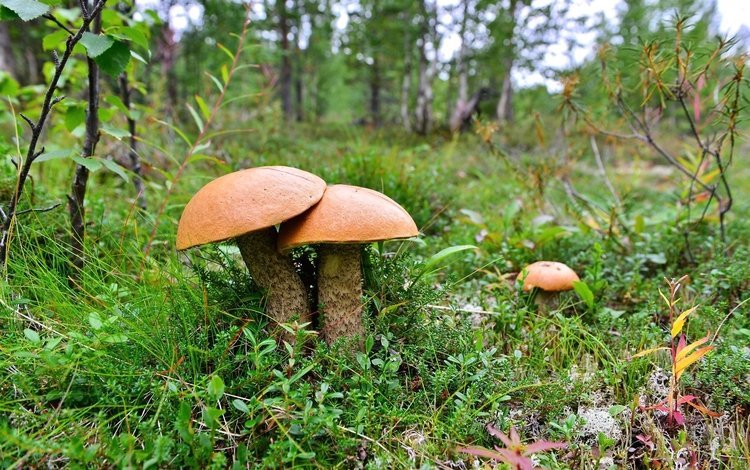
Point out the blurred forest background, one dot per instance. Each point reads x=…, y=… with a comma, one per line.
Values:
x=420, y=65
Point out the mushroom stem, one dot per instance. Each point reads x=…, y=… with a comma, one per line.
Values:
x=340, y=291
x=275, y=273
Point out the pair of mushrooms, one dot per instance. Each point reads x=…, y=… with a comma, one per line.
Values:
x=249, y=205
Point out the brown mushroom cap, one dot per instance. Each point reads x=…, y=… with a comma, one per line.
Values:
x=347, y=215
x=548, y=276
x=246, y=201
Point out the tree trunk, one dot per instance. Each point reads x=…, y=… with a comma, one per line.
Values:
x=459, y=112
x=504, y=109
x=78, y=196
x=299, y=66
x=375, y=92
x=135, y=160
x=7, y=61
x=427, y=68
x=285, y=79
x=406, y=79
x=505, y=103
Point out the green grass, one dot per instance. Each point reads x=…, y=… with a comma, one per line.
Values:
x=164, y=360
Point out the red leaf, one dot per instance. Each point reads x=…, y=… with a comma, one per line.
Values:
x=541, y=446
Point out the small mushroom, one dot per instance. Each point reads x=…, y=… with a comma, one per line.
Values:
x=346, y=217
x=247, y=206
x=547, y=278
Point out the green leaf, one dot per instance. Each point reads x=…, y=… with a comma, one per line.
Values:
x=27, y=10
x=53, y=155
x=216, y=81
x=115, y=59
x=135, y=35
x=183, y=423
x=216, y=387
x=584, y=292
x=196, y=118
x=32, y=335
x=54, y=40
x=115, y=168
x=615, y=410
x=96, y=44
x=91, y=164
x=95, y=321
x=115, y=338
x=203, y=107
x=74, y=117
x=6, y=14
x=240, y=405
x=115, y=101
x=432, y=262
x=118, y=134
x=69, y=14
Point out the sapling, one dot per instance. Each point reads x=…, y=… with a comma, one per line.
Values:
x=682, y=355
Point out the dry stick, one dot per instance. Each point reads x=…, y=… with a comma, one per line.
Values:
x=199, y=139
x=80, y=180
x=600, y=164
x=8, y=220
x=135, y=160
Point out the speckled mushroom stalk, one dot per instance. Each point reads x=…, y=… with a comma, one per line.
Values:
x=246, y=206
x=274, y=273
x=340, y=291
x=344, y=219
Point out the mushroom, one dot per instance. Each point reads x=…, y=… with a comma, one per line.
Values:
x=247, y=206
x=346, y=217
x=547, y=278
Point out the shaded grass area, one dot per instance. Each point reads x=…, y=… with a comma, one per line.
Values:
x=165, y=360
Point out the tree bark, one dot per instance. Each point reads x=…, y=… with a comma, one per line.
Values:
x=285, y=76
x=407, y=77
x=299, y=66
x=135, y=160
x=78, y=191
x=7, y=61
x=504, y=109
x=459, y=112
x=375, y=85
x=427, y=68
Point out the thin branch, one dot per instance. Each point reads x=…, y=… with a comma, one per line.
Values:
x=32, y=153
x=600, y=164
x=202, y=134
x=28, y=121
x=52, y=18
x=39, y=209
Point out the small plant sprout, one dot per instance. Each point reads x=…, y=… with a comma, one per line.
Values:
x=683, y=355
x=246, y=206
x=515, y=453
x=545, y=280
x=345, y=218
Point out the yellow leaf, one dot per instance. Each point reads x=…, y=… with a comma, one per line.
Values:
x=681, y=354
x=680, y=321
x=648, y=351
x=688, y=361
x=669, y=304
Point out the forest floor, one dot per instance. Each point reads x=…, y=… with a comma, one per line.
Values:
x=164, y=359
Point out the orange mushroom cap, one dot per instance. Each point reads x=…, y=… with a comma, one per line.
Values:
x=548, y=276
x=347, y=215
x=245, y=201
